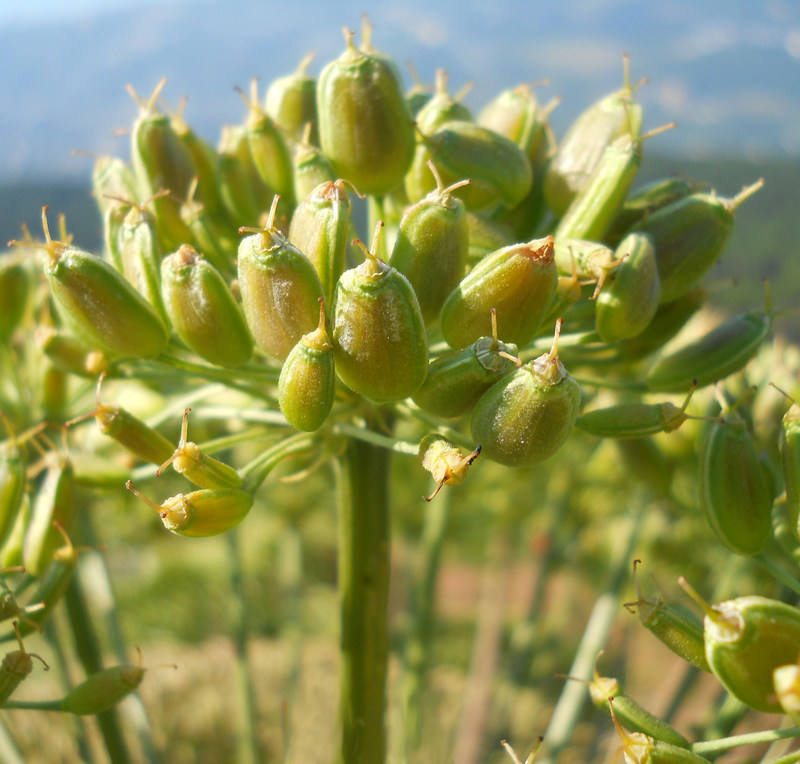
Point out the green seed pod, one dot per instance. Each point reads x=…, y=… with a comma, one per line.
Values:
x=268, y=148
x=528, y=415
x=673, y=625
x=308, y=379
x=733, y=491
x=634, y=420
x=130, y=432
x=207, y=512
x=689, y=235
x=101, y=305
x=11, y=551
x=365, y=127
x=631, y=293
x=112, y=180
x=443, y=459
x=161, y=162
x=518, y=281
x=280, y=289
x=320, y=229
x=15, y=668
x=140, y=255
x=418, y=94
x=723, y=351
x=790, y=458
x=379, y=339
x=291, y=101
x=15, y=288
x=457, y=380
x=431, y=248
x=311, y=169
x=202, y=309
x=205, y=162
x=584, y=259
x=518, y=116
x=644, y=201
x=68, y=353
x=746, y=639
x=499, y=170
x=245, y=195
x=212, y=237
x=102, y=690
x=441, y=108
x=486, y=236
x=669, y=319
x=54, y=503
x=640, y=748
x=112, y=224
x=630, y=714
x=190, y=461
x=12, y=483
x=581, y=148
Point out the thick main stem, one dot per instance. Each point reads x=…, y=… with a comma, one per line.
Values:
x=363, y=594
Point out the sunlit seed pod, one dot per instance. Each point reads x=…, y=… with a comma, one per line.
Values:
x=640, y=748
x=431, y=248
x=161, y=162
x=216, y=240
x=307, y=383
x=456, y=381
x=733, y=492
x=101, y=305
x=112, y=180
x=268, y=147
x=631, y=293
x=517, y=115
x=15, y=290
x=585, y=259
x=365, y=127
x=243, y=192
x=54, y=502
x=519, y=281
x=207, y=512
x=103, y=690
x=131, y=432
x=790, y=460
x=746, y=639
x=689, y=236
x=444, y=460
x=15, y=668
x=441, y=108
x=498, y=169
x=631, y=714
x=202, y=309
x=291, y=101
x=786, y=680
x=140, y=255
x=112, y=223
x=582, y=146
x=311, y=169
x=11, y=550
x=634, y=420
x=645, y=200
x=714, y=356
x=669, y=319
x=672, y=625
x=203, y=470
x=53, y=392
x=527, y=416
x=280, y=289
x=321, y=228
x=379, y=339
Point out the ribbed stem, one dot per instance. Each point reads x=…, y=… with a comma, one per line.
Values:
x=363, y=592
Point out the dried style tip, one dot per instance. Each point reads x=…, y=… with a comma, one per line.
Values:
x=443, y=459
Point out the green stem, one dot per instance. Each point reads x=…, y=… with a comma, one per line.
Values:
x=363, y=592
x=418, y=644
x=375, y=438
x=246, y=718
x=716, y=747
x=789, y=581
x=257, y=471
x=607, y=606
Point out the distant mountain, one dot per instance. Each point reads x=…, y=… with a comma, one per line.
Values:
x=727, y=72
